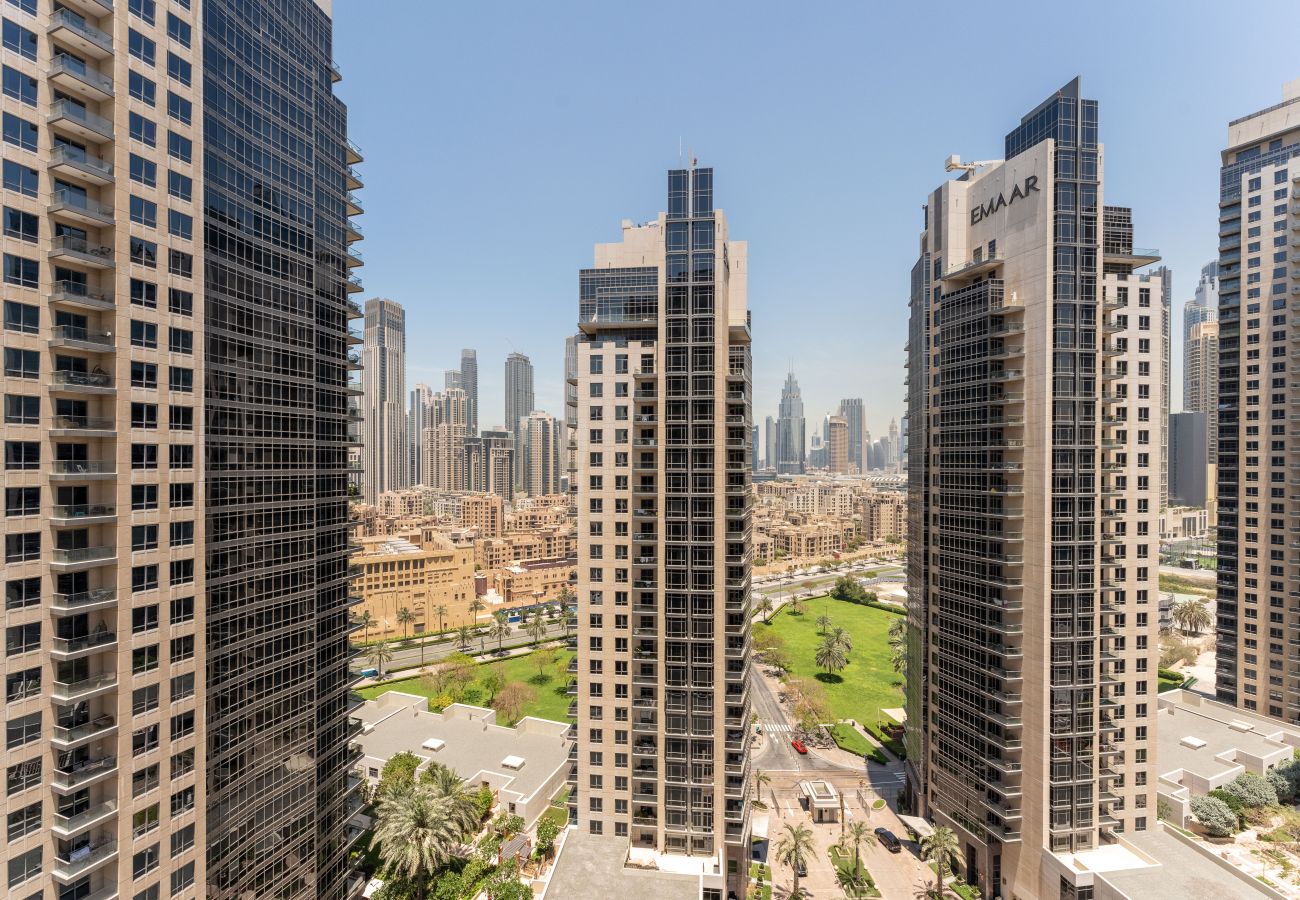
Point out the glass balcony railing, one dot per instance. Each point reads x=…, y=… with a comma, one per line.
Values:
x=62, y=64
x=62, y=109
x=66, y=18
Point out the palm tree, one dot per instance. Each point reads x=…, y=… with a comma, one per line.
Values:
x=476, y=606
x=823, y=623
x=415, y=834
x=851, y=881
x=380, y=654
x=365, y=620
x=796, y=604
x=464, y=635
x=457, y=797
x=536, y=627
x=761, y=778
x=859, y=834
x=940, y=847
x=404, y=618
x=1191, y=616
x=765, y=606
x=500, y=628
x=830, y=655
x=844, y=639
x=898, y=644
x=441, y=612
x=794, y=850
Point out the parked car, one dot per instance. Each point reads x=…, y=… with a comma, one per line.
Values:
x=369, y=673
x=799, y=746
x=891, y=843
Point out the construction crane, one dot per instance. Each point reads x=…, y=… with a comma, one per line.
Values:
x=953, y=163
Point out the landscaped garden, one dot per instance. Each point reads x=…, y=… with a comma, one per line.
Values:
x=535, y=684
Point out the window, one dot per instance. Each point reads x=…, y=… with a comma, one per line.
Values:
x=22, y=410
x=144, y=659
x=180, y=456
x=20, y=86
x=19, y=132
x=19, y=178
x=144, y=171
x=143, y=9
x=180, y=147
x=145, y=618
x=182, y=686
x=180, y=418
x=142, y=129
x=182, y=724
x=145, y=820
x=22, y=730
x=145, y=861
x=180, y=186
x=22, y=776
x=182, y=841
x=179, y=108
x=21, y=225
x=180, y=496
x=179, y=224
x=21, y=593
x=23, y=684
x=181, y=303
x=179, y=69
x=178, y=29
x=180, y=340
x=144, y=578
x=182, y=572
x=143, y=374
x=144, y=537
x=19, y=39
x=141, y=47
x=144, y=334
x=24, y=821
x=22, y=317
x=144, y=496
x=182, y=801
x=144, y=700
x=144, y=212
x=182, y=763
x=23, y=501
x=182, y=610
x=144, y=253
x=27, y=865
x=180, y=379
x=21, y=271
x=180, y=262
x=22, y=363
x=141, y=88
x=144, y=415
x=22, y=455
x=24, y=546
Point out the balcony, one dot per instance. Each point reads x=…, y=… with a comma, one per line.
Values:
x=69, y=162
x=74, y=293
x=71, y=29
x=86, y=601
x=75, y=119
x=72, y=648
x=83, y=860
x=74, y=77
x=65, y=381
x=81, y=558
x=79, y=338
x=80, y=775
x=81, y=426
x=80, y=209
x=67, y=826
x=72, y=691
x=80, y=251
x=83, y=514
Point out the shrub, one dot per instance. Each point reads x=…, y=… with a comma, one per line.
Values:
x=1254, y=791
x=1290, y=771
x=1281, y=784
x=1219, y=820
x=1170, y=674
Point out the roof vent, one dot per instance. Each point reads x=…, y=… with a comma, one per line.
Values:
x=1193, y=743
x=1238, y=725
x=434, y=744
x=513, y=762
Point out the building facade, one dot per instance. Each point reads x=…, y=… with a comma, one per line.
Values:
x=664, y=507
x=176, y=436
x=791, y=442
x=383, y=405
x=1189, y=461
x=490, y=463
x=1258, y=227
x=1201, y=378
x=537, y=459
x=519, y=389
x=854, y=413
x=445, y=465
x=837, y=444
x=1034, y=394
x=417, y=420
x=469, y=383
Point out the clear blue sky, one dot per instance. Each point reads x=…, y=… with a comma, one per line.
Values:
x=503, y=140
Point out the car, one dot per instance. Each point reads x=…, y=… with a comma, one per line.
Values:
x=890, y=842
x=369, y=673
x=799, y=746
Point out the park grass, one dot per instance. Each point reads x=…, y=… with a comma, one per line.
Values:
x=551, y=702
x=867, y=684
x=848, y=738
x=1169, y=684
x=1174, y=584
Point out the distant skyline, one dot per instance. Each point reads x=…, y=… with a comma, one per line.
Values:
x=486, y=187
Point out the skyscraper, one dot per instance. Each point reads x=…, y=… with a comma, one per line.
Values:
x=469, y=382
x=1032, y=595
x=1166, y=276
x=791, y=443
x=893, y=449
x=569, y=462
x=681, y=522
x=769, y=443
x=519, y=389
x=417, y=420
x=383, y=380
x=1256, y=510
x=451, y=379
x=490, y=463
x=537, y=454
x=176, y=451
x=837, y=444
x=1201, y=355
x=444, y=441
x=855, y=417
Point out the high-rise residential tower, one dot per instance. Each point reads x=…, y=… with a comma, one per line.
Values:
x=662, y=700
x=769, y=443
x=569, y=460
x=469, y=383
x=893, y=449
x=537, y=454
x=417, y=420
x=519, y=389
x=1258, y=514
x=176, y=434
x=445, y=465
x=383, y=379
x=490, y=463
x=1201, y=378
x=837, y=444
x=1166, y=277
x=1034, y=395
x=1204, y=305
x=791, y=443
x=855, y=417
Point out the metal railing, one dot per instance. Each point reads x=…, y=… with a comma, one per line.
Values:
x=83, y=379
x=82, y=335
x=66, y=109
x=73, y=244
x=66, y=199
x=83, y=511
x=66, y=18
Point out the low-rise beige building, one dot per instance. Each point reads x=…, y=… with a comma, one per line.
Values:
x=548, y=542
x=533, y=581
x=397, y=574
x=485, y=513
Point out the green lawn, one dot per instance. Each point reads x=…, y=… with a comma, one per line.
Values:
x=1174, y=584
x=551, y=702
x=867, y=684
x=849, y=738
x=1168, y=684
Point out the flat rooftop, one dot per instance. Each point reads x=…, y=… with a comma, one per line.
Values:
x=591, y=867
x=472, y=744
x=1182, y=874
x=1216, y=731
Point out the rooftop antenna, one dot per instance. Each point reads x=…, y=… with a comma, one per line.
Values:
x=679, y=149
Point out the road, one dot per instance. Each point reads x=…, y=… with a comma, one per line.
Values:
x=404, y=655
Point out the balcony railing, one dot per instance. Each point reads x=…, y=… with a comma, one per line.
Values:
x=82, y=335
x=82, y=423
x=96, y=813
x=74, y=291
x=75, y=602
x=86, y=642
x=64, y=64
x=65, y=18
x=83, y=379
x=68, y=691
x=83, y=858
x=100, y=254
x=66, y=199
x=66, y=109
x=83, y=511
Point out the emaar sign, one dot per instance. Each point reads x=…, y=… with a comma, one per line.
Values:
x=979, y=213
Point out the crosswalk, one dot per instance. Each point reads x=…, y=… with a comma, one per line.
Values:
x=775, y=728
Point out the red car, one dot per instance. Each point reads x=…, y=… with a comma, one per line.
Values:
x=799, y=746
